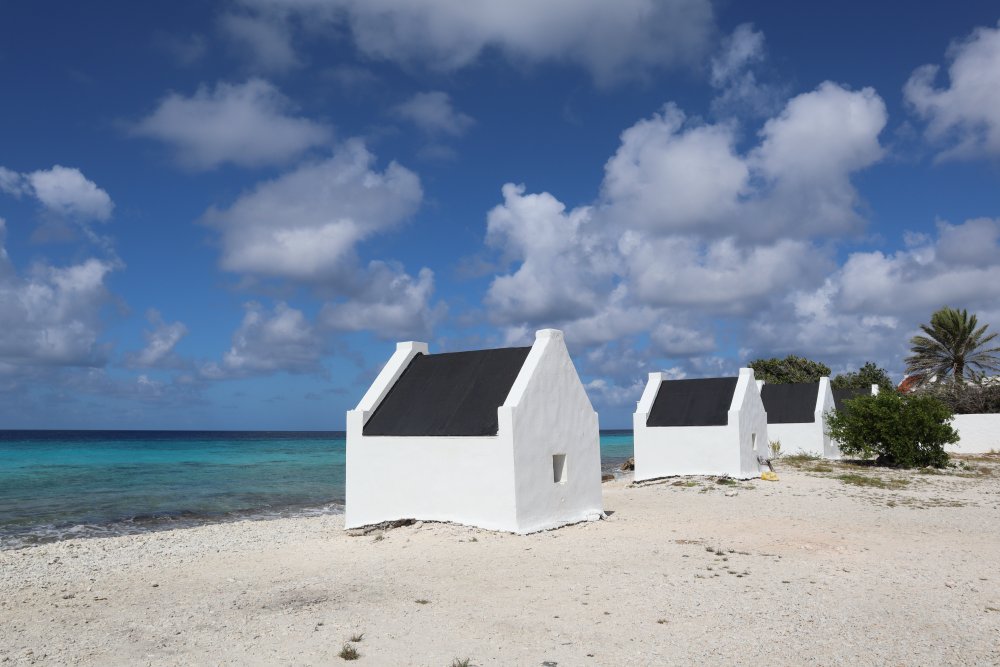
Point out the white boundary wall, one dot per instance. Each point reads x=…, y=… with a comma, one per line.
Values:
x=502, y=482
x=808, y=437
x=979, y=434
x=702, y=450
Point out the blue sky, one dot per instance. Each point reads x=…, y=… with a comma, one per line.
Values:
x=224, y=215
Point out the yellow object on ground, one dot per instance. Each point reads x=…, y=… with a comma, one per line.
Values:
x=769, y=476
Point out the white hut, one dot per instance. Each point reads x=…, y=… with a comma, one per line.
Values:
x=796, y=417
x=711, y=426
x=504, y=439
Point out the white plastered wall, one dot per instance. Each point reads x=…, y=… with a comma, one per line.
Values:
x=978, y=434
x=702, y=450
x=552, y=415
x=461, y=479
x=809, y=437
x=751, y=419
x=471, y=480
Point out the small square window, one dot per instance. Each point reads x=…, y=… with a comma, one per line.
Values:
x=559, y=468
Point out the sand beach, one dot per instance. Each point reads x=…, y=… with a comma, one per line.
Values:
x=878, y=568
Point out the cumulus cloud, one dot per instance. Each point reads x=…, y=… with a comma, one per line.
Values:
x=269, y=342
x=250, y=125
x=733, y=75
x=870, y=305
x=12, y=183
x=62, y=191
x=51, y=315
x=392, y=304
x=670, y=176
x=160, y=342
x=964, y=117
x=719, y=276
x=612, y=40
x=690, y=237
x=433, y=113
x=305, y=224
x=563, y=266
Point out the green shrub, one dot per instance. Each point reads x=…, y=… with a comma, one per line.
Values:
x=896, y=430
x=864, y=378
x=789, y=369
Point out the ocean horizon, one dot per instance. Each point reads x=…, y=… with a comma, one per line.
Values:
x=57, y=484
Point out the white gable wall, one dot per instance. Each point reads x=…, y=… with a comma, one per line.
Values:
x=552, y=415
x=701, y=450
x=748, y=418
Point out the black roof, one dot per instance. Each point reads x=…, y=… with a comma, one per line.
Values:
x=841, y=395
x=703, y=402
x=792, y=403
x=456, y=393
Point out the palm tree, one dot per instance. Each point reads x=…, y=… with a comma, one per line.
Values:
x=953, y=345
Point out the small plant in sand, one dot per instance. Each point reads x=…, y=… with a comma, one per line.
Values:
x=875, y=482
x=358, y=637
x=348, y=652
x=799, y=459
x=461, y=663
x=775, y=446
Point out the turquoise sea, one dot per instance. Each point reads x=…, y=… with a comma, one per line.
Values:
x=69, y=484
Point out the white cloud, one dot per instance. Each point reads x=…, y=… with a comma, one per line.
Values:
x=249, y=125
x=733, y=75
x=670, y=175
x=160, y=342
x=680, y=341
x=684, y=220
x=62, y=191
x=963, y=118
x=605, y=393
x=282, y=340
x=393, y=305
x=51, y=315
x=612, y=40
x=690, y=238
x=744, y=47
x=12, y=183
x=718, y=276
x=433, y=113
x=665, y=177
x=305, y=224
x=265, y=43
x=870, y=305
x=564, y=264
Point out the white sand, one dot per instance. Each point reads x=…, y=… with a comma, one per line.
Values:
x=831, y=574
